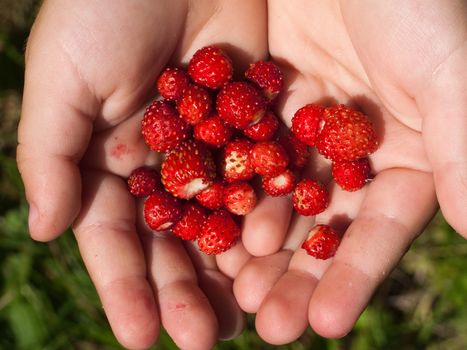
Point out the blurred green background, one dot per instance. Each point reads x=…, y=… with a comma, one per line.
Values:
x=48, y=302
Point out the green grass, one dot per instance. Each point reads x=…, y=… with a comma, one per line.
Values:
x=48, y=302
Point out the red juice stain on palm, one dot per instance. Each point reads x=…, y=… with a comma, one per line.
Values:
x=119, y=150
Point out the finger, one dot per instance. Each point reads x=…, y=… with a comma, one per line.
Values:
x=283, y=315
x=111, y=250
x=185, y=310
x=52, y=137
x=231, y=261
x=444, y=105
x=218, y=289
x=264, y=229
x=257, y=277
x=398, y=205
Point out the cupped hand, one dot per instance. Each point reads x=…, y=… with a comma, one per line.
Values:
x=90, y=71
x=403, y=64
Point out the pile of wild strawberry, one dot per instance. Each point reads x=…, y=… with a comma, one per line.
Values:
x=218, y=134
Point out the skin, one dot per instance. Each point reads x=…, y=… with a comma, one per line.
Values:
x=403, y=64
x=90, y=69
x=90, y=72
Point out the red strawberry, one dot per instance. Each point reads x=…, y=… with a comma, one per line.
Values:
x=162, y=127
x=239, y=198
x=351, y=175
x=267, y=76
x=219, y=233
x=298, y=152
x=268, y=158
x=265, y=129
x=279, y=185
x=306, y=123
x=346, y=135
x=235, y=162
x=310, y=197
x=213, y=196
x=240, y=104
x=161, y=211
x=188, y=170
x=143, y=181
x=189, y=226
x=210, y=67
x=322, y=242
x=195, y=104
x=172, y=83
x=213, y=131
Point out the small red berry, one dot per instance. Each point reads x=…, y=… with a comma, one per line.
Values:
x=162, y=127
x=298, y=152
x=188, y=170
x=143, y=181
x=351, y=175
x=161, y=211
x=189, y=226
x=268, y=76
x=306, y=123
x=195, y=104
x=268, y=158
x=172, y=83
x=210, y=67
x=279, y=185
x=240, y=104
x=346, y=135
x=265, y=129
x=310, y=197
x=213, y=196
x=219, y=233
x=213, y=131
x=235, y=162
x=239, y=198
x=322, y=242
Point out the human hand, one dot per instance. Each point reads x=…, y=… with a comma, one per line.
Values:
x=403, y=64
x=90, y=71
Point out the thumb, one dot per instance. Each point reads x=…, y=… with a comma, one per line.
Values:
x=53, y=134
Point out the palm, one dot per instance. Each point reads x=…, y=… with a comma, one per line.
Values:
x=329, y=55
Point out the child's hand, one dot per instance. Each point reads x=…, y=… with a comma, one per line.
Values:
x=403, y=64
x=90, y=70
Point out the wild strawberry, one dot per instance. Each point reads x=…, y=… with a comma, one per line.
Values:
x=267, y=76
x=172, y=83
x=265, y=129
x=219, y=233
x=195, y=104
x=210, y=67
x=239, y=198
x=306, y=123
x=351, y=175
x=213, y=131
x=189, y=226
x=310, y=197
x=188, y=170
x=268, y=158
x=279, y=185
x=322, y=242
x=213, y=196
x=346, y=135
x=161, y=211
x=298, y=152
x=143, y=181
x=235, y=161
x=240, y=104
x=162, y=127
